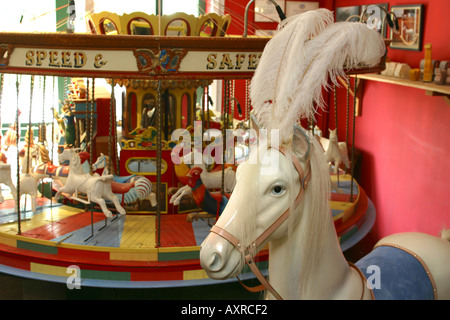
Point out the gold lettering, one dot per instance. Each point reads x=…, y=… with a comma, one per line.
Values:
x=79, y=59
x=226, y=61
x=253, y=60
x=29, y=58
x=212, y=63
x=98, y=61
x=53, y=57
x=65, y=59
x=40, y=55
x=240, y=58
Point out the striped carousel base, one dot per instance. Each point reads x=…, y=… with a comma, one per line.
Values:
x=123, y=252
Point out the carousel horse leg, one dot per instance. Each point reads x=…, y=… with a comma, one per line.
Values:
x=112, y=197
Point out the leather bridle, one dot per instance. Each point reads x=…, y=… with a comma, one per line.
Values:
x=247, y=251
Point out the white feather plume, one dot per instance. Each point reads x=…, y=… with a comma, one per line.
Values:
x=284, y=47
x=298, y=90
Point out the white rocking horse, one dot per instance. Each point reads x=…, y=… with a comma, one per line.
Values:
x=97, y=188
x=288, y=205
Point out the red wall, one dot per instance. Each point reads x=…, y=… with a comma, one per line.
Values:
x=403, y=136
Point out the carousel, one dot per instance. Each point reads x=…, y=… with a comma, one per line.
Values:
x=119, y=203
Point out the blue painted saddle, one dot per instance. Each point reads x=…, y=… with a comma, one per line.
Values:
x=401, y=275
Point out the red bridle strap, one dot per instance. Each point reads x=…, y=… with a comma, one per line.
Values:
x=249, y=258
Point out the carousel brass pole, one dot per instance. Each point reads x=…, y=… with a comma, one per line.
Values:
x=353, y=138
x=158, y=163
x=19, y=231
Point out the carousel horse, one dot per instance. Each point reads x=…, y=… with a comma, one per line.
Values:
x=97, y=188
x=5, y=177
x=282, y=192
x=336, y=152
x=28, y=182
x=129, y=189
x=46, y=169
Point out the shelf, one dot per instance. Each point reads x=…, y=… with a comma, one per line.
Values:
x=430, y=88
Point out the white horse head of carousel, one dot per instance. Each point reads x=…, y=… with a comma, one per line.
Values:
x=288, y=205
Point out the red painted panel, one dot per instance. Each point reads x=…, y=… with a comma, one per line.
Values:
x=402, y=135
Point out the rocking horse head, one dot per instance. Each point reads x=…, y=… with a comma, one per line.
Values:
x=268, y=205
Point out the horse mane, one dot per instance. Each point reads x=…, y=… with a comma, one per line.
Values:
x=310, y=220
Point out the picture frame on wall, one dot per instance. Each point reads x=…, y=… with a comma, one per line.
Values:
x=344, y=13
x=296, y=7
x=265, y=10
x=410, y=22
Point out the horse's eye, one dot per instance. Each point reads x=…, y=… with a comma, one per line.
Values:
x=278, y=190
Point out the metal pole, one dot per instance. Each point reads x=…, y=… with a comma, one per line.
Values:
x=19, y=231
x=158, y=163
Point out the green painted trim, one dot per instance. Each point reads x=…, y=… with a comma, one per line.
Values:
x=181, y=255
x=36, y=247
x=105, y=275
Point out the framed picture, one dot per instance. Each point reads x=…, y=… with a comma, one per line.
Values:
x=296, y=7
x=265, y=10
x=348, y=13
x=375, y=14
x=410, y=22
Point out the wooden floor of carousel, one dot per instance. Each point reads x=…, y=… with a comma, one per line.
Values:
x=120, y=258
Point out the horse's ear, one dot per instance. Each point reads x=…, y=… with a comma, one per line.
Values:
x=301, y=143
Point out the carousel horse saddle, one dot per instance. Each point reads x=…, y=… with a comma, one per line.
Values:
x=121, y=188
x=402, y=276
x=123, y=179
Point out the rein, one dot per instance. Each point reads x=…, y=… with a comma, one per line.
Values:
x=246, y=252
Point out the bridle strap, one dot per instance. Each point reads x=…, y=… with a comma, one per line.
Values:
x=249, y=259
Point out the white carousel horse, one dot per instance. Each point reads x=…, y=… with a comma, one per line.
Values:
x=336, y=152
x=28, y=182
x=5, y=177
x=97, y=188
x=46, y=169
x=293, y=215
x=129, y=189
x=282, y=197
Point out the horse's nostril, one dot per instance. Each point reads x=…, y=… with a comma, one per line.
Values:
x=215, y=262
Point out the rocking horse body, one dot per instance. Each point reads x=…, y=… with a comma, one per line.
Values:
x=97, y=188
x=305, y=259
x=287, y=204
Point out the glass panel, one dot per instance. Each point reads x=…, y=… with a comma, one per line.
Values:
x=145, y=166
x=208, y=29
x=108, y=27
x=177, y=27
x=140, y=27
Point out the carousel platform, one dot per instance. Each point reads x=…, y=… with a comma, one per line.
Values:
x=123, y=252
